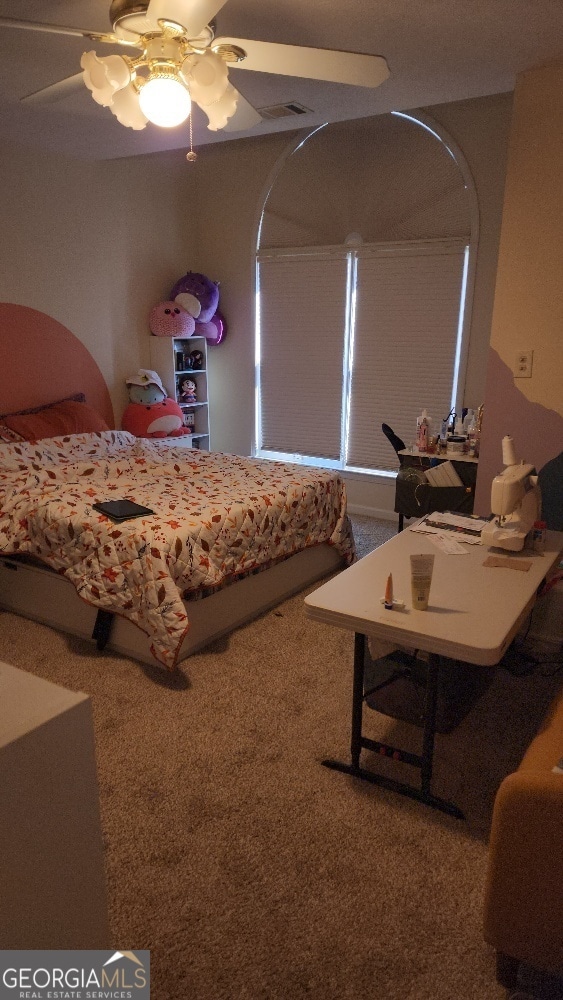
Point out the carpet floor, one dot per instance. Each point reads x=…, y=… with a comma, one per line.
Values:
x=249, y=870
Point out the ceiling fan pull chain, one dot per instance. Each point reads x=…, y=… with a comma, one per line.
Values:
x=192, y=155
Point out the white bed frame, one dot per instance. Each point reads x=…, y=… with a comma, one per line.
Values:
x=39, y=593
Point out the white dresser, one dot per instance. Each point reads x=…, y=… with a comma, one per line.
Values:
x=52, y=879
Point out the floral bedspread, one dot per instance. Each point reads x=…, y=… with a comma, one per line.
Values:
x=216, y=516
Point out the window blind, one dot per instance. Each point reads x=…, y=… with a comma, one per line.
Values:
x=302, y=325
x=405, y=339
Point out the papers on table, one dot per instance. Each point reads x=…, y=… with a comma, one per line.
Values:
x=448, y=544
x=448, y=525
x=443, y=475
x=461, y=522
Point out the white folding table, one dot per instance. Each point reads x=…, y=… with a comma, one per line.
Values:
x=474, y=613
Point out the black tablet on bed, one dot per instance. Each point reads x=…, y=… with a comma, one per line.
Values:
x=122, y=510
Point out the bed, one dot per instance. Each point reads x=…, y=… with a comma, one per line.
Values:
x=230, y=536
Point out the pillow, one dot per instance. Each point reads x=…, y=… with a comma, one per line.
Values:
x=65, y=417
x=79, y=397
x=9, y=437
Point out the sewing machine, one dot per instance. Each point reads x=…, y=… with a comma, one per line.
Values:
x=516, y=504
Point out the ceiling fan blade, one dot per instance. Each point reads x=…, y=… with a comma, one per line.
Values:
x=56, y=92
x=244, y=117
x=59, y=29
x=193, y=15
x=312, y=64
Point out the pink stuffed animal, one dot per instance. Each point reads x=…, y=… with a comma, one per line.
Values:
x=154, y=420
x=151, y=413
x=170, y=319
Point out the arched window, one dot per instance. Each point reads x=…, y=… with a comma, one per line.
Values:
x=363, y=258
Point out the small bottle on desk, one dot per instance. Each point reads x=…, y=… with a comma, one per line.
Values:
x=423, y=431
x=539, y=532
x=472, y=438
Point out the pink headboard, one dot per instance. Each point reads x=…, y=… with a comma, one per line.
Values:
x=42, y=361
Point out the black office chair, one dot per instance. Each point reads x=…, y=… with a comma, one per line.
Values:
x=398, y=445
x=393, y=438
x=550, y=480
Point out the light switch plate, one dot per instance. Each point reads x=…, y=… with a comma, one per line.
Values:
x=523, y=364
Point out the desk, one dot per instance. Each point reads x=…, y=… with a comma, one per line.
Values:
x=442, y=457
x=413, y=499
x=473, y=615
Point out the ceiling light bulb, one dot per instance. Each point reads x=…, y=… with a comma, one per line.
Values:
x=164, y=100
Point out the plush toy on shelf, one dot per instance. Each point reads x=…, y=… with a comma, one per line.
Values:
x=197, y=360
x=187, y=390
x=215, y=329
x=151, y=413
x=170, y=319
x=199, y=296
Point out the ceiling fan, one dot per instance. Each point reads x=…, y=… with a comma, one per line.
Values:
x=181, y=61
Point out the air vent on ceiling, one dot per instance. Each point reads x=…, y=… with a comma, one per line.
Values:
x=284, y=110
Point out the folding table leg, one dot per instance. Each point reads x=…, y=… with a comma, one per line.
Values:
x=423, y=762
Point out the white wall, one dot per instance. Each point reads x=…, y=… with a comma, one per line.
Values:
x=95, y=245
x=481, y=128
x=528, y=308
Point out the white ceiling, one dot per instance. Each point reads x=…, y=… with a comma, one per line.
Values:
x=437, y=50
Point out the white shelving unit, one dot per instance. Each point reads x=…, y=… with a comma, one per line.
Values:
x=169, y=358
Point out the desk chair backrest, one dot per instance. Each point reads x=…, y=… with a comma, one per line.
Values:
x=393, y=438
x=398, y=446
x=550, y=479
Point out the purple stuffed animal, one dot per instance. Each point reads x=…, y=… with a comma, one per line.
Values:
x=198, y=294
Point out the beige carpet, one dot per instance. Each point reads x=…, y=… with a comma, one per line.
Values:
x=249, y=870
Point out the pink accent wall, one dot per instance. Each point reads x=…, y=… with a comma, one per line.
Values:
x=536, y=430
x=42, y=361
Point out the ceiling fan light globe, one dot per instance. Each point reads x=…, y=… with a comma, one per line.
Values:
x=104, y=76
x=207, y=77
x=165, y=101
x=125, y=107
x=220, y=111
